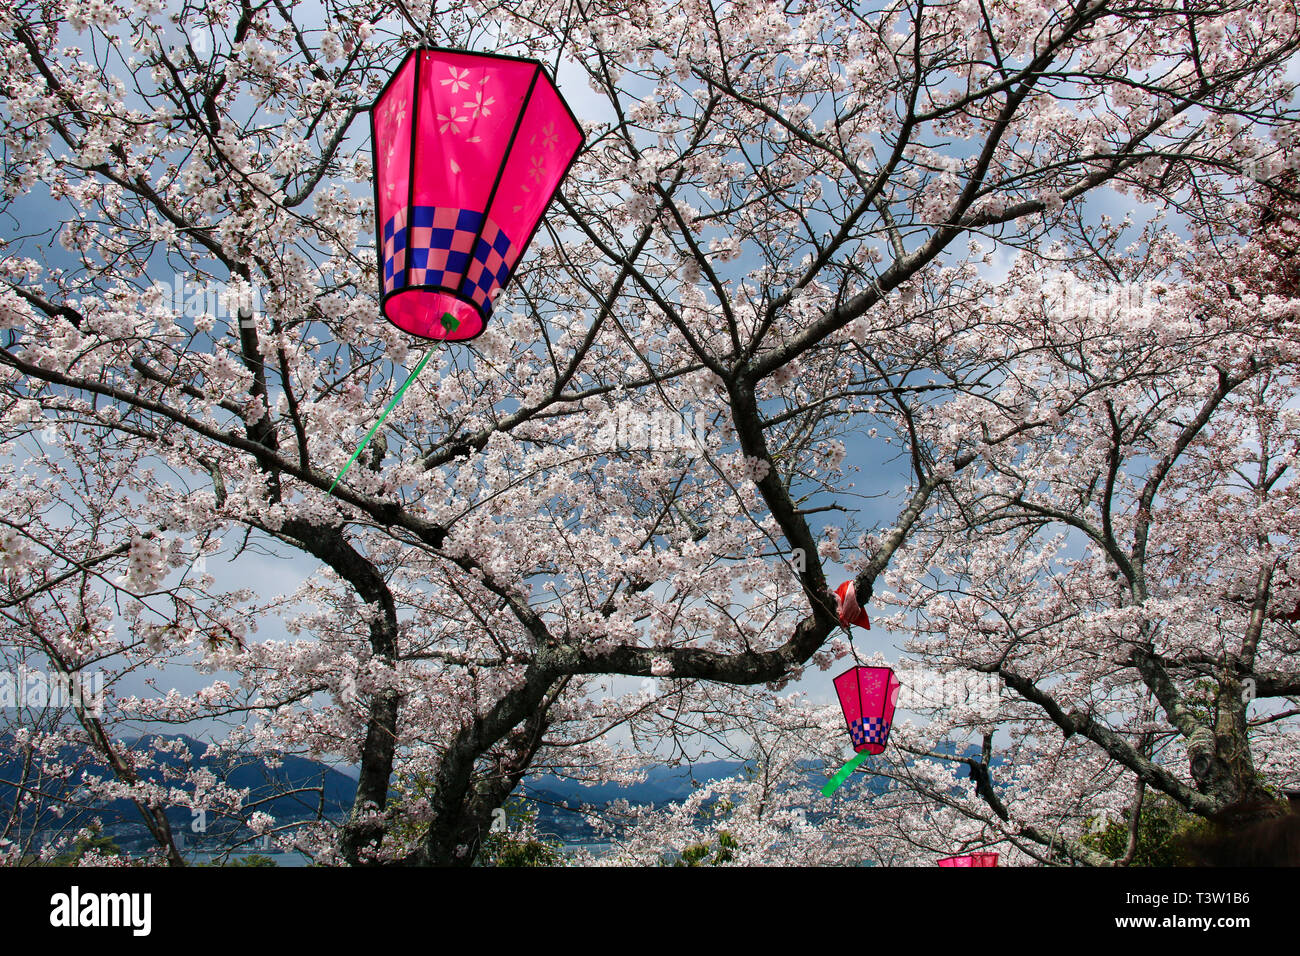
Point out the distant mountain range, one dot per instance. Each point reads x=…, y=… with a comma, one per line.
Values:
x=662, y=785
x=555, y=799
x=277, y=790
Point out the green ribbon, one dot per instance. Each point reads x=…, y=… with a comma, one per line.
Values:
x=837, y=781
x=449, y=323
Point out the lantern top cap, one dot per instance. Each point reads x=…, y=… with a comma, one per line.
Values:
x=425, y=48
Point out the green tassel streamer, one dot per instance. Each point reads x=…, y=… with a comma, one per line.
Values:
x=837, y=781
x=449, y=323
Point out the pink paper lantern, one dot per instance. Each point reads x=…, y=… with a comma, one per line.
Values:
x=867, y=697
x=469, y=149
x=971, y=859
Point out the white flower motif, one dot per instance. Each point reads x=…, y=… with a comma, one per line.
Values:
x=538, y=169
x=450, y=122
x=550, y=138
x=479, y=106
x=395, y=112
x=457, y=82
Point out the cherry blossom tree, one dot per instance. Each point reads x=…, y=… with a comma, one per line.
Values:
x=773, y=236
x=1128, y=570
x=1123, y=572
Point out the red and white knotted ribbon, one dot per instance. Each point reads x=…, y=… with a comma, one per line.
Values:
x=846, y=606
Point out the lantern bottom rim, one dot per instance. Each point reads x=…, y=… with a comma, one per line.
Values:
x=874, y=749
x=418, y=310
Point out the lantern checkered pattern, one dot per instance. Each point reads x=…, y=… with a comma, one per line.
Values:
x=869, y=730
x=438, y=245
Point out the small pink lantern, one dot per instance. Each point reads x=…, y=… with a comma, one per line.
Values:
x=469, y=149
x=867, y=697
x=971, y=859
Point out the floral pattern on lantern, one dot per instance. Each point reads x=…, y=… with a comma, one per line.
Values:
x=971, y=859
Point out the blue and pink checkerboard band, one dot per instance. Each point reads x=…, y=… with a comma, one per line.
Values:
x=438, y=242
x=869, y=730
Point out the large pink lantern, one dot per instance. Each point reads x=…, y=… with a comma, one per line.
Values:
x=469, y=148
x=867, y=697
x=971, y=859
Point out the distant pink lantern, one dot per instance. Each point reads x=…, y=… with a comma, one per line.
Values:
x=867, y=697
x=469, y=149
x=971, y=859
